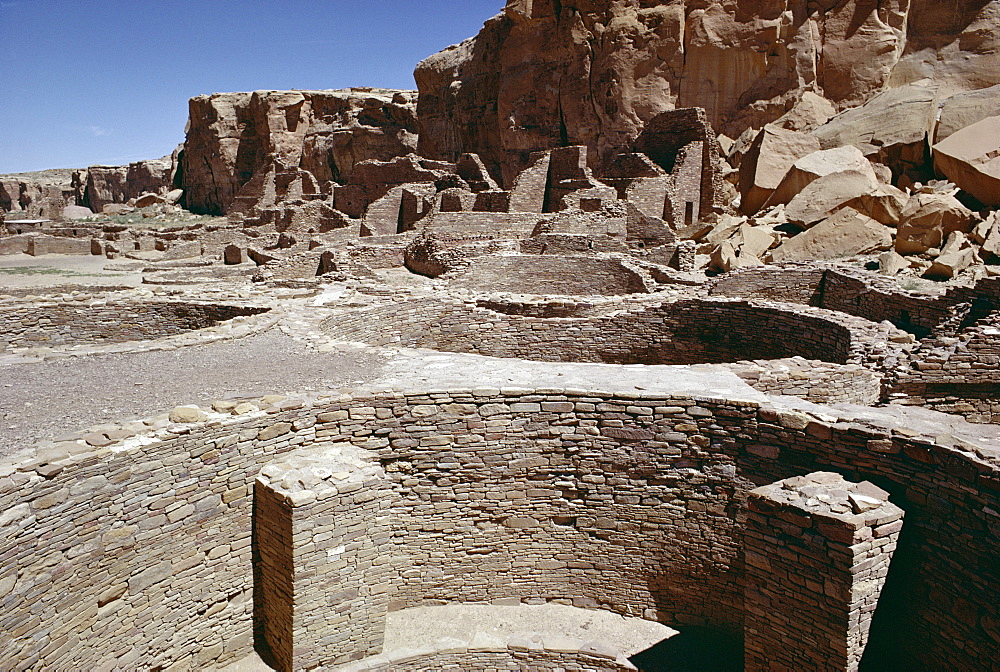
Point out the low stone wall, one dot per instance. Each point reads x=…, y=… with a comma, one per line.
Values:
x=957, y=374
x=818, y=382
x=681, y=332
x=14, y=244
x=139, y=555
x=859, y=293
x=548, y=274
x=41, y=245
x=65, y=322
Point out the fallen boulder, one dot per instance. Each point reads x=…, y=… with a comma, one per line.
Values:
x=846, y=233
x=727, y=258
x=956, y=256
x=971, y=159
x=817, y=164
x=928, y=219
x=891, y=128
x=769, y=158
x=891, y=263
x=825, y=195
x=965, y=109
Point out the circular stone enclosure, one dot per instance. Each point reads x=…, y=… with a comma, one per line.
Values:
x=695, y=331
x=75, y=322
x=545, y=274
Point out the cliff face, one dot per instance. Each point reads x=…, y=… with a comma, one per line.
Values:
x=119, y=184
x=546, y=73
x=233, y=135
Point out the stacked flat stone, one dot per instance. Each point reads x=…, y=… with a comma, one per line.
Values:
x=94, y=320
x=691, y=331
x=817, y=552
x=139, y=555
x=324, y=546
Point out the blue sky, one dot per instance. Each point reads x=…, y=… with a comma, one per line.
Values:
x=107, y=81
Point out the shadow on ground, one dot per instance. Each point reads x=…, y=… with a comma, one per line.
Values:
x=693, y=650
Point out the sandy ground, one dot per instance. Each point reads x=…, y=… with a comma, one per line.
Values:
x=22, y=271
x=40, y=401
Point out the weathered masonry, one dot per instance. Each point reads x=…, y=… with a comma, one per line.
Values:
x=637, y=503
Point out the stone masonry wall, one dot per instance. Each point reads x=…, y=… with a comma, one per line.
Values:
x=324, y=600
x=516, y=657
x=817, y=552
x=546, y=274
x=67, y=322
x=139, y=555
x=682, y=332
x=857, y=293
x=958, y=374
x=818, y=382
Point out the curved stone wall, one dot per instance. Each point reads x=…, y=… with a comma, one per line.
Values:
x=140, y=555
x=855, y=292
x=548, y=274
x=70, y=322
x=683, y=332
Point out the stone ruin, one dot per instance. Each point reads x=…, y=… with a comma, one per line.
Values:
x=714, y=353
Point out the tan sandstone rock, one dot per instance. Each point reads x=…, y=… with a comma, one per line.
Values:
x=927, y=221
x=846, y=233
x=233, y=135
x=956, y=256
x=891, y=263
x=827, y=194
x=548, y=73
x=773, y=152
x=187, y=414
x=816, y=165
x=971, y=159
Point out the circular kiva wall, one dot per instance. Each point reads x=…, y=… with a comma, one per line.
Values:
x=140, y=555
x=683, y=332
x=548, y=274
x=71, y=322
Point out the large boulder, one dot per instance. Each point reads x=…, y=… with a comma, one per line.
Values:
x=120, y=184
x=846, y=233
x=891, y=128
x=965, y=109
x=233, y=135
x=956, y=256
x=928, y=220
x=971, y=159
x=816, y=165
x=773, y=152
x=825, y=195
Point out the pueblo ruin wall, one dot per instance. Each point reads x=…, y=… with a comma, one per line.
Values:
x=634, y=503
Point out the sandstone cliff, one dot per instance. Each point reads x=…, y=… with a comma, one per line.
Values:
x=119, y=184
x=546, y=73
x=233, y=135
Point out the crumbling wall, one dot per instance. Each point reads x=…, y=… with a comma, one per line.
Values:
x=67, y=322
x=548, y=274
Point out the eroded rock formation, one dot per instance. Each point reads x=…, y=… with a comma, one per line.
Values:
x=232, y=135
x=545, y=73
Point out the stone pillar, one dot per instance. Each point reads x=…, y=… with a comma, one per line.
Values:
x=817, y=552
x=321, y=557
